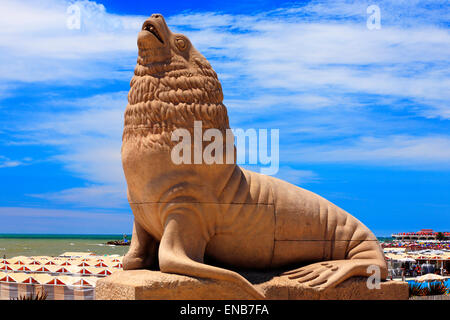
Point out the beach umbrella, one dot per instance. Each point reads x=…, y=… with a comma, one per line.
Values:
x=24, y=268
x=436, y=258
x=62, y=270
x=85, y=281
x=34, y=268
x=104, y=272
x=84, y=271
x=430, y=277
x=68, y=279
x=56, y=281
x=24, y=278
x=6, y=268
x=88, y=270
x=82, y=282
x=72, y=269
x=42, y=269
x=19, y=277
x=42, y=278
x=101, y=264
x=15, y=267
x=52, y=269
x=7, y=278
x=50, y=263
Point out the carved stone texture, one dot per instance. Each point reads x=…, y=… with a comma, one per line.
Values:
x=155, y=285
x=186, y=213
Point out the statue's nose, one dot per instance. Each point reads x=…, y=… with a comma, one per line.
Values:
x=159, y=20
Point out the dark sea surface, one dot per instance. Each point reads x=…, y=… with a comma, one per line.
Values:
x=12, y=245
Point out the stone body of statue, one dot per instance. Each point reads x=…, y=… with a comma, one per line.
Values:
x=186, y=213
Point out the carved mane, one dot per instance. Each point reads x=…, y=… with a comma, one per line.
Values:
x=168, y=95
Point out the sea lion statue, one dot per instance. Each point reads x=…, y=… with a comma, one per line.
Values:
x=184, y=213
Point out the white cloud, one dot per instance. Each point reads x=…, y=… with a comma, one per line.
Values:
x=426, y=152
x=296, y=176
x=6, y=162
x=104, y=196
x=9, y=164
x=37, y=220
x=36, y=37
x=309, y=47
x=88, y=138
x=40, y=29
x=297, y=56
x=319, y=58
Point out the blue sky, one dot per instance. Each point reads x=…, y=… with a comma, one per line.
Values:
x=364, y=115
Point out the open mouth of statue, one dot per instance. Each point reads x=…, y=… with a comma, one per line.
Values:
x=151, y=28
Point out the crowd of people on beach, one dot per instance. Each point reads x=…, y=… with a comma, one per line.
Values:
x=417, y=245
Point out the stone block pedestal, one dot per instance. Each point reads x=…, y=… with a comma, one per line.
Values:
x=155, y=285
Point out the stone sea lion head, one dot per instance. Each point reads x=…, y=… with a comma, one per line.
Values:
x=157, y=43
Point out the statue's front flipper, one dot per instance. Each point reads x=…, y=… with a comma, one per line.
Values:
x=143, y=250
x=182, y=250
x=328, y=274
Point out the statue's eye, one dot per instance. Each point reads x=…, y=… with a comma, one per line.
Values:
x=181, y=43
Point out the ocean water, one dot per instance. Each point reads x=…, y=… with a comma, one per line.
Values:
x=384, y=239
x=12, y=245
